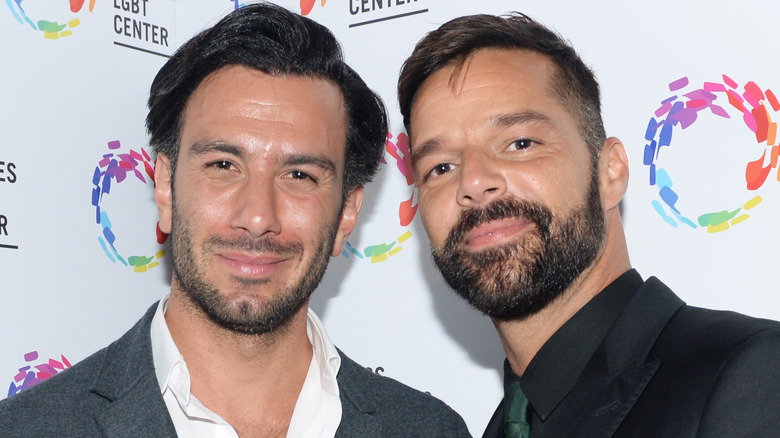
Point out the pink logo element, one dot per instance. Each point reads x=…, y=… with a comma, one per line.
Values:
x=27, y=377
x=400, y=150
x=754, y=106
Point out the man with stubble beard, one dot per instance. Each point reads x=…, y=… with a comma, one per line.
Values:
x=519, y=190
x=264, y=140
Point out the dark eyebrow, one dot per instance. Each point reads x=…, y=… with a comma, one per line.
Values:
x=205, y=147
x=499, y=121
x=509, y=120
x=323, y=162
x=426, y=148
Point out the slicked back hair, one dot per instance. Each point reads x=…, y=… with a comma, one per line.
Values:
x=452, y=44
x=275, y=41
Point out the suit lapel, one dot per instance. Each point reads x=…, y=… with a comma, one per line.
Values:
x=495, y=427
x=596, y=408
x=126, y=379
x=358, y=404
x=620, y=368
x=137, y=414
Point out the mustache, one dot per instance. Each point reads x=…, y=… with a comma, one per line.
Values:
x=255, y=245
x=504, y=208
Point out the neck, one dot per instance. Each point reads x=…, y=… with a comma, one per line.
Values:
x=243, y=378
x=522, y=339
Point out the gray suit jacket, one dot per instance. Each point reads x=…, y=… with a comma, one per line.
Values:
x=114, y=393
x=666, y=369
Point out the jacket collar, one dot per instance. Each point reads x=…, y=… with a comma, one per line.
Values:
x=126, y=378
x=358, y=405
x=622, y=366
x=619, y=370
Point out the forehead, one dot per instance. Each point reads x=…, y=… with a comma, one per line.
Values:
x=246, y=106
x=490, y=82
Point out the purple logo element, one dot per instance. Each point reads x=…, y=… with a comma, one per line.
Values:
x=27, y=377
x=750, y=103
x=112, y=169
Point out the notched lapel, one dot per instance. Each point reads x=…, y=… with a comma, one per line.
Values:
x=616, y=400
x=358, y=400
x=126, y=380
x=356, y=423
x=621, y=367
x=597, y=405
x=136, y=414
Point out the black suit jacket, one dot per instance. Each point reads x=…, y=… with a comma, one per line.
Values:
x=114, y=393
x=666, y=369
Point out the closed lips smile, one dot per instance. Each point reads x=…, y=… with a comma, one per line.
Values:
x=247, y=265
x=495, y=232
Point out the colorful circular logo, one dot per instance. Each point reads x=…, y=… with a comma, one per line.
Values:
x=31, y=375
x=407, y=209
x=31, y=14
x=114, y=169
x=754, y=105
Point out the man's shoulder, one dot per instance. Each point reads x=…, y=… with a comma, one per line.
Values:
x=719, y=365
x=718, y=331
x=57, y=403
x=690, y=330
x=64, y=404
x=66, y=385
x=722, y=367
x=384, y=404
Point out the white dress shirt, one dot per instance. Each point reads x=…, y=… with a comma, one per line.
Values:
x=318, y=409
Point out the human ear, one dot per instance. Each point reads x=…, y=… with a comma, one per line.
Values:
x=163, y=191
x=613, y=172
x=348, y=219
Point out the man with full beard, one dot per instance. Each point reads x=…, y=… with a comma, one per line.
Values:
x=519, y=191
x=265, y=138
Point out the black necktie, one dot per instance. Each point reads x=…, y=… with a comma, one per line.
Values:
x=516, y=410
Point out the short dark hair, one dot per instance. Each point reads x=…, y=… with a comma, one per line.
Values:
x=455, y=41
x=278, y=42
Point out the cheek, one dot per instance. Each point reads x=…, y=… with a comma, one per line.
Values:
x=438, y=213
x=544, y=183
x=214, y=206
x=560, y=188
x=207, y=211
x=308, y=214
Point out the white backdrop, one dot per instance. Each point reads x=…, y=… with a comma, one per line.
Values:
x=75, y=79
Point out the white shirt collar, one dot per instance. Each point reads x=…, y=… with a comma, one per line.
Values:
x=168, y=362
x=318, y=409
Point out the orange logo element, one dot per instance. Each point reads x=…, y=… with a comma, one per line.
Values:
x=308, y=5
x=76, y=5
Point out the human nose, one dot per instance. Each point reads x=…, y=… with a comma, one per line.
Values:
x=481, y=181
x=255, y=208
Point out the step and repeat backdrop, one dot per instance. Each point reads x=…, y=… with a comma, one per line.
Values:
x=690, y=87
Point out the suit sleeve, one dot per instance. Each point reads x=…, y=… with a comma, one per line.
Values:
x=745, y=400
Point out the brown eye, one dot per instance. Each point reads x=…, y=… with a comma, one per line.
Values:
x=440, y=169
x=297, y=174
x=521, y=144
x=221, y=164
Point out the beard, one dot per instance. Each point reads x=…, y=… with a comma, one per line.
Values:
x=247, y=316
x=518, y=279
